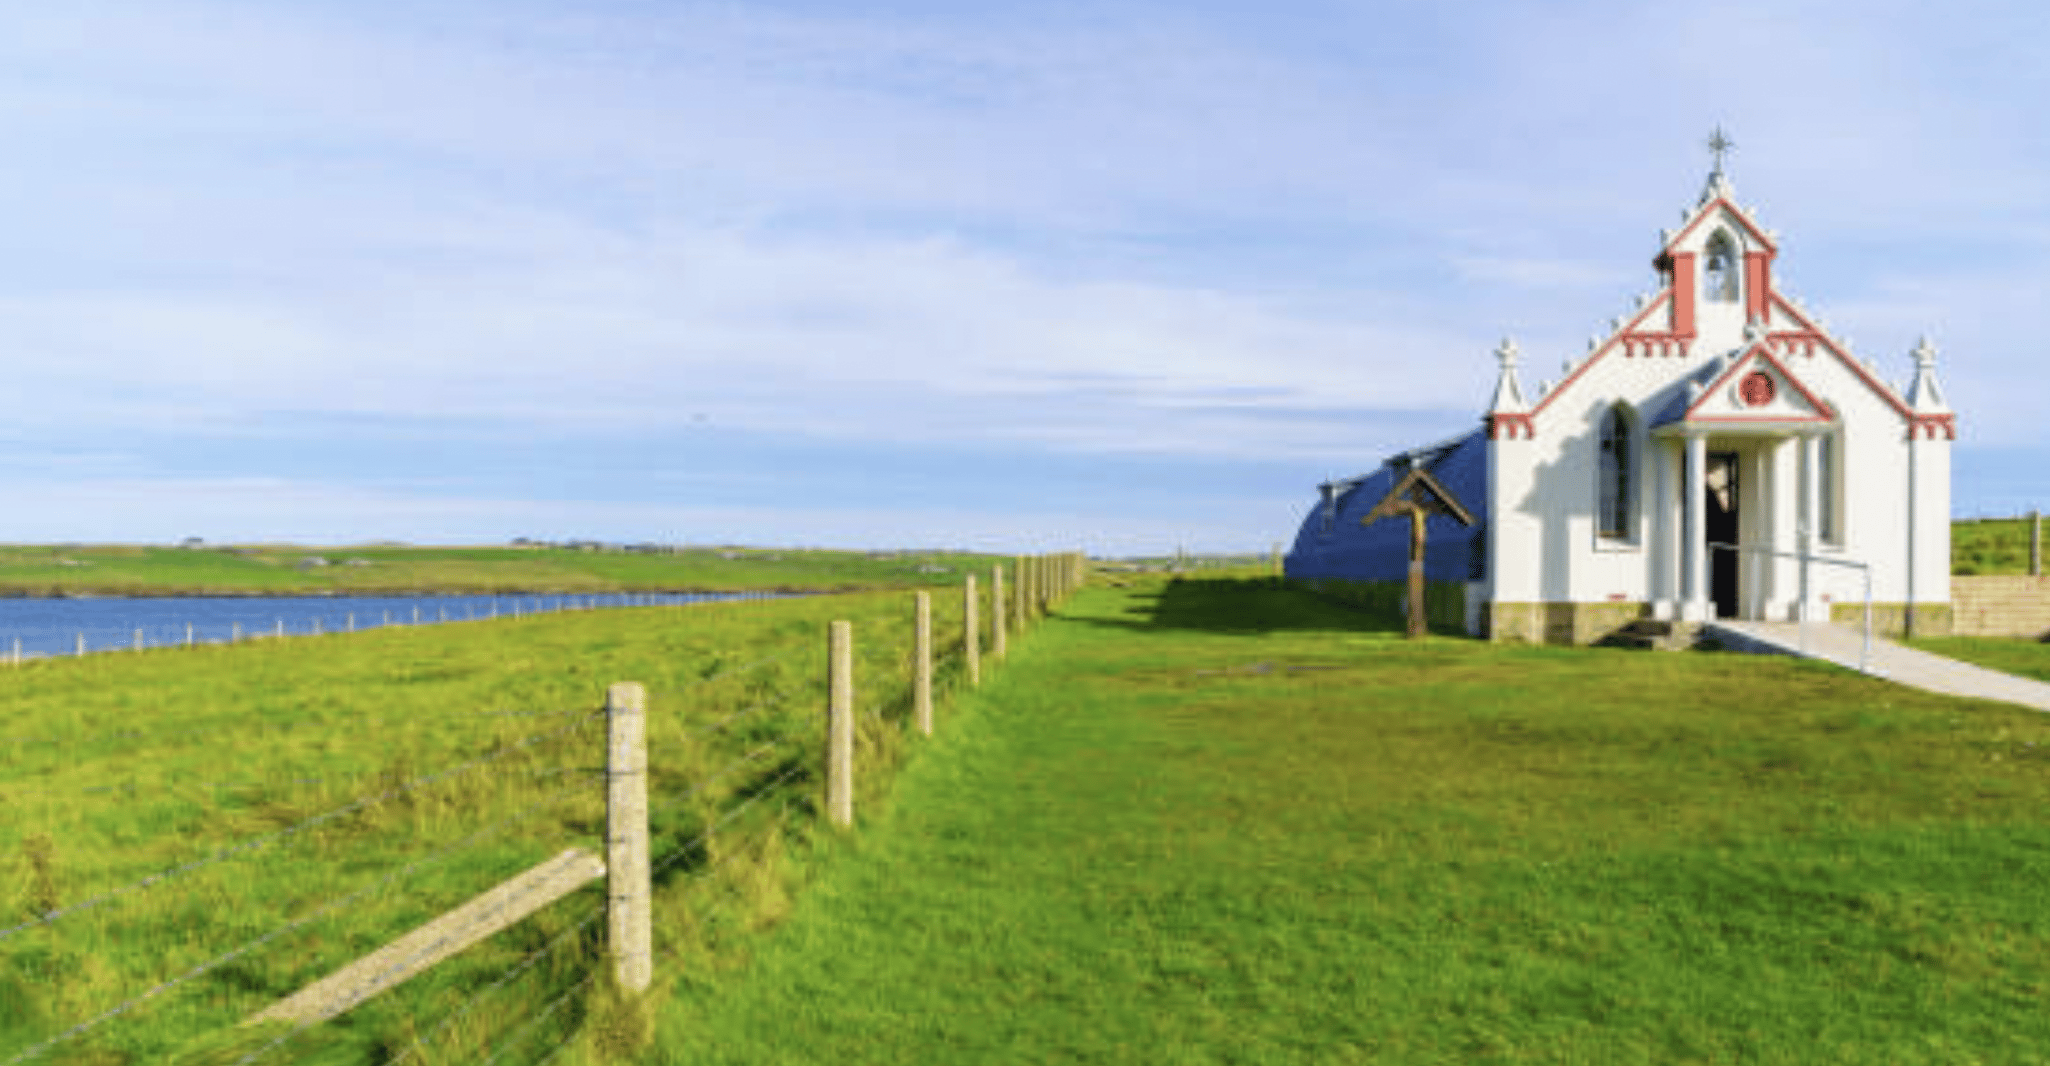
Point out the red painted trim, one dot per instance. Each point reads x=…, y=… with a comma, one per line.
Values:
x=1757, y=284
x=1830, y=345
x=1505, y=426
x=1684, y=293
x=1614, y=339
x=1710, y=419
x=1929, y=424
x=1758, y=352
x=1709, y=209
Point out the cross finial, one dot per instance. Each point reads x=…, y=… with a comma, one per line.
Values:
x=1925, y=353
x=1719, y=145
x=1506, y=352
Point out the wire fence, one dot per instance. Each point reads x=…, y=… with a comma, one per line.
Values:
x=776, y=729
x=63, y=628
x=290, y=831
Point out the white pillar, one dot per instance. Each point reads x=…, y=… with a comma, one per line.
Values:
x=1785, y=604
x=1694, y=586
x=1811, y=517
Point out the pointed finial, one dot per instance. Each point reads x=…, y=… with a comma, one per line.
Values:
x=1925, y=353
x=1719, y=145
x=1506, y=352
x=1753, y=331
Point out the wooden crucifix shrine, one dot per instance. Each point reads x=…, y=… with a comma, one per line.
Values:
x=1419, y=496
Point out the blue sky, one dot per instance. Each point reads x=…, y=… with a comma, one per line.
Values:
x=1112, y=275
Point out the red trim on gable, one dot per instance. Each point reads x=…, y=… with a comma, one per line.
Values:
x=1618, y=336
x=1758, y=352
x=1506, y=424
x=1929, y=424
x=1709, y=209
x=1855, y=366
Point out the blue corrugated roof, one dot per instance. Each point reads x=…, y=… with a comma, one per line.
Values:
x=1380, y=552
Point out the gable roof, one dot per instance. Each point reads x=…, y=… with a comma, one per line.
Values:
x=1777, y=398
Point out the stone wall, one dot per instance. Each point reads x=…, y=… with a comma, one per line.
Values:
x=2004, y=605
x=1557, y=623
x=1890, y=619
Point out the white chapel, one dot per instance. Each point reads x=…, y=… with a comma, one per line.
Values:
x=1678, y=471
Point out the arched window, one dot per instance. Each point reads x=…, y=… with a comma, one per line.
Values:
x=1719, y=270
x=1613, y=471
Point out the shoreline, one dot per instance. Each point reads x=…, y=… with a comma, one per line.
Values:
x=337, y=594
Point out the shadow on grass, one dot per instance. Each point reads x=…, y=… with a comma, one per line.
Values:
x=1241, y=605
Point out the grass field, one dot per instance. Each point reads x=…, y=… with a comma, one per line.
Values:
x=1218, y=821
x=41, y=570
x=1990, y=546
x=2014, y=655
x=455, y=756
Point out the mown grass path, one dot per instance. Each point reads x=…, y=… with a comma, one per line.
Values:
x=1218, y=821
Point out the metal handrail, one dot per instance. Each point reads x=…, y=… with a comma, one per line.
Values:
x=1865, y=655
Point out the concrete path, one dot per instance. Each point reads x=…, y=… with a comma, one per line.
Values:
x=1841, y=644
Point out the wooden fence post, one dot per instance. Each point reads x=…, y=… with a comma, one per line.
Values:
x=921, y=681
x=188, y=634
x=840, y=723
x=281, y=627
x=138, y=638
x=971, y=638
x=2036, y=543
x=996, y=612
x=235, y=634
x=81, y=643
x=626, y=834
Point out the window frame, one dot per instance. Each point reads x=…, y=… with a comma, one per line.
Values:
x=1617, y=469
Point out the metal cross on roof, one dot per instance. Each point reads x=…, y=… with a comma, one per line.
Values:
x=1719, y=143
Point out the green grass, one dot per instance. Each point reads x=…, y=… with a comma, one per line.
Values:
x=39, y=570
x=1221, y=821
x=1990, y=546
x=118, y=767
x=2014, y=655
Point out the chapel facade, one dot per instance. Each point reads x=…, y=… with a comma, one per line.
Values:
x=1677, y=471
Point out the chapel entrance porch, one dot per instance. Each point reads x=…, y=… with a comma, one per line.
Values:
x=1731, y=486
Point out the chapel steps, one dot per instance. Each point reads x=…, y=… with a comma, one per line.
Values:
x=1656, y=634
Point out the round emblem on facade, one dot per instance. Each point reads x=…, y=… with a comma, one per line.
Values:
x=1757, y=389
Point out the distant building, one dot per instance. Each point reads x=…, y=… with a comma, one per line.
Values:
x=1719, y=410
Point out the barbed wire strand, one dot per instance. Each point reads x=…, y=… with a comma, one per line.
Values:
x=684, y=849
x=269, y=838
x=132, y=787
x=705, y=731
x=732, y=670
x=556, y=1003
x=94, y=738
x=527, y=963
x=325, y=909
x=511, y=974
x=699, y=786
x=396, y=969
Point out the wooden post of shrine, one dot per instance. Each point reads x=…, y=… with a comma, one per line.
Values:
x=1419, y=496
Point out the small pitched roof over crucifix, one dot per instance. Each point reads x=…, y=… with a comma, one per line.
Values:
x=1419, y=491
x=1417, y=495
x=1719, y=145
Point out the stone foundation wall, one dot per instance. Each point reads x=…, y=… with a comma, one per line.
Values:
x=1558, y=623
x=1890, y=619
x=2006, y=605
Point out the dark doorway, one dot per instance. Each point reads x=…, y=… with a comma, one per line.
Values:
x=1720, y=526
